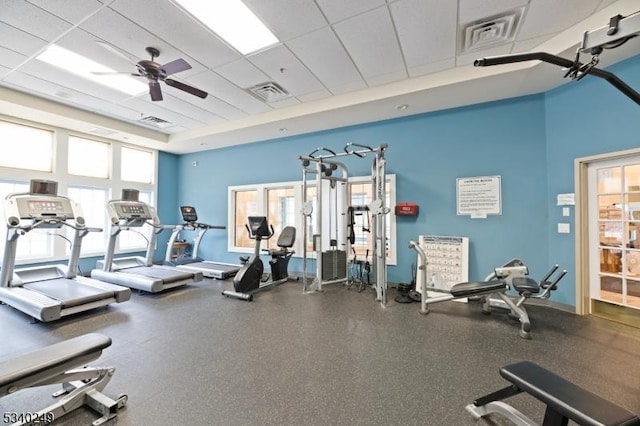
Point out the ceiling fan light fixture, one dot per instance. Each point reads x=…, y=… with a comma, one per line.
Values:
x=233, y=21
x=84, y=67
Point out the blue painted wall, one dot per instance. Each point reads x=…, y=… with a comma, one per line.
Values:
x=584, y=118
x=531, y=142
x=427, y=153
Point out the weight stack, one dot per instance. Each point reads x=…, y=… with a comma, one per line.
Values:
x=334, y=265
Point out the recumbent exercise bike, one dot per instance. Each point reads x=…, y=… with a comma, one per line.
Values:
x=248, y=279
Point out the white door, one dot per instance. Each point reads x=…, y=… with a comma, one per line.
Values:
x=614, y=232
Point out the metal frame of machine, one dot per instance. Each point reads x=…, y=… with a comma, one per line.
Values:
x=50, y=292
x=323, y=165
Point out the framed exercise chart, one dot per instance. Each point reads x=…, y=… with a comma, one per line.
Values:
x=447, y=261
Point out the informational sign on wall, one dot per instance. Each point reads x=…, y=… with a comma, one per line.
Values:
x=479, y=196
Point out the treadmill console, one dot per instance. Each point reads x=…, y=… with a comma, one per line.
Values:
x=189, y=214
x=128, y=210
x=38, y=208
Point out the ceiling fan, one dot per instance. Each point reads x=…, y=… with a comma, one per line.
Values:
x=155, y=72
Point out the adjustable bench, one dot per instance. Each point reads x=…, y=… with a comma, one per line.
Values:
x=564, y=400
x=63, y=363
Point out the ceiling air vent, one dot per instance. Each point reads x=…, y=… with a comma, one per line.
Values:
x=269, y=92
x=492, y=31
x=155, y=121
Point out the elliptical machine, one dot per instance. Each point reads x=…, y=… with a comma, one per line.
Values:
x=248, y=279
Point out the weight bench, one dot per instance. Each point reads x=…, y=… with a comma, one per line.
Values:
x=564, y=400
x=63, y=363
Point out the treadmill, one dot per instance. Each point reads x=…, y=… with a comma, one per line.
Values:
x=209, y=269
x=50, y=292
x=137, y=272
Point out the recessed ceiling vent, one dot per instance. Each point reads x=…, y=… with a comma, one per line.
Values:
x=269, y=92
x=155, y=121
x=492, y=31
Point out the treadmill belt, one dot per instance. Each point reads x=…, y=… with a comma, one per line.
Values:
x=214, y=266
x=164, y=274
x=69, y=292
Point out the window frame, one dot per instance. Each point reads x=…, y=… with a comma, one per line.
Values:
x=59, y=173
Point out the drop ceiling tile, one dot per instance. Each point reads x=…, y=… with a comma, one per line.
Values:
x=605, y=3
x=155, y=109
x=84, y=43
x=133, y=39
x=177, y=28
x=288, y=19
x=530, y=45
x=242, y=73
x=19, y=41
x=325, y=57
x=285, y=103
x=425, y=36
x=469, y=58
x=66, y=95
x=550, y=16
x=320, y=94
x=474, y=10
x=10, y=59
x=337, y=10
x=432, y=67
x=229, y=93
x=214, y=108
x=63, y=78
x=3, y=71
x=72, y=11
x=32, y=19
x=174, y=100
x=371, y=42
x=285, y=69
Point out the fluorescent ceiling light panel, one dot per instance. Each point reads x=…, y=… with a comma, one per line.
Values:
x=85, y=67
x=233, y=21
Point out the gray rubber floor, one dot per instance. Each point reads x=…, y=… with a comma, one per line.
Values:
x=191, y=356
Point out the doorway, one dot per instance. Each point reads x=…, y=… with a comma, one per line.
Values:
x=613, y=220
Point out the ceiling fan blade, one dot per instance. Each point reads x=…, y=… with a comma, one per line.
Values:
x=155, y=91
x=185, y=87
x=118, y=51
x=175, y=66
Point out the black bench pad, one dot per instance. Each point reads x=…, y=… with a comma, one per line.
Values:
x=475, y=288
x=48, y=358
x=566, y=398
x=525, y=284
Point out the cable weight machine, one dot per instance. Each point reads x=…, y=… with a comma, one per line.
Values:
x=329, y=227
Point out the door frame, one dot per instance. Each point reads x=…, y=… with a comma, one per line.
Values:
x=581, y=166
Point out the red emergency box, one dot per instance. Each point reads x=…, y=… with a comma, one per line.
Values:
x=406, y=209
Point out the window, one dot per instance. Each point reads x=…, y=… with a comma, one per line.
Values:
x=282, y=204
x=92, y=201
x=137, y=165
x=83, y=170
x=312, y=197
x=246, y=204
x=362, y=195
x=34, y=244
x=32, y=148
x=88, y=158
x=137, y=238
x=281, y=209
